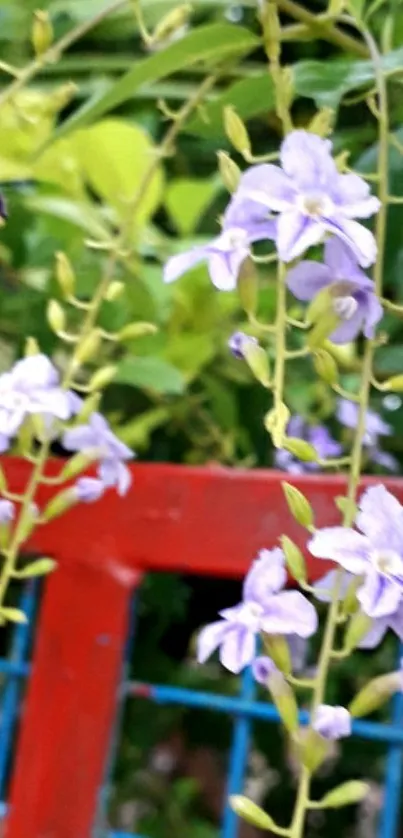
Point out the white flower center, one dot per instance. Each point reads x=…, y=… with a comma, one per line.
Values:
x=234, y=239
x=315, y=204
x=387, y=562
x=345, y=307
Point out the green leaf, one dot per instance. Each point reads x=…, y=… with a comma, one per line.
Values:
x=250, y=97
x=150, y=374
x=211, y=43
x=187, y=199
x=82, y=215
x=328, y=81
x=114, y=155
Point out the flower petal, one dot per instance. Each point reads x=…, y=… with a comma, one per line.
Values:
x=306, y=158
x=353, y=195
x=348, y=330
x=296, y=233
x=379, y=596
x=224, y=268
x=383, y=459
x=373, y=314
x=183, y=262
x=266, y=576
x=210, y=638
x=396, y=621
x=357, y=237
x=34, y=372
x=307, y=279
x=381, y=519
x=324, y=586
x=267, y=185
x=290, y=613
x=237, y=648
x=342, y=545
x=341, y=261
x=376, y=634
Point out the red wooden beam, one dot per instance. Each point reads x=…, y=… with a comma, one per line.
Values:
x=185, y=520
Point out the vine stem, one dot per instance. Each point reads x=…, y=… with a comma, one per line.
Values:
x=326, y=652
x=323, y=28
x=55, y=50
x=11, y=553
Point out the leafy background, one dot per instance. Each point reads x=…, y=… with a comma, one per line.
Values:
x=67, y=174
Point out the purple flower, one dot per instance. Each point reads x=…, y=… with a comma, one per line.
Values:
x=244, y=222
x=316, y=435
x=112, y=470
x=352, y=294
x=264, y=608
x=347, y=414
x=312, y=198
x=262, y=668
x=375, y=553
x=89, y=489
x=237, y=343
x=332, y=722
x=7, y=511
x=31, y=387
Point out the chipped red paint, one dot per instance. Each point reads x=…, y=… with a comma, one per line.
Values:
x=196, y=520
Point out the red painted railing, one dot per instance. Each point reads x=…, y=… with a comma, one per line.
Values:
x=193, y=520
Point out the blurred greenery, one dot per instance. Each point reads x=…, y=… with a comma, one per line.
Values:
x=69, y=165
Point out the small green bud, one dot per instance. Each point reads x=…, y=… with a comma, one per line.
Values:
x=284, y=699
x=171, y=23
x=272, y=31
x=248, y=286
x=319, y=306
x=275, y=422
x=56, y=317
x=114, y=291
x=26, y=522
x=346, y=506
x=90, y=406
x=301, y=449
x=312, y=748
x=38, y=568
x=62, y=96
x=42, y=32
x=294, y=559
x=250, y=812
x=13, y=615
x=31, y=347
x=102, y=377
x=358, y=626
x=229, y=171
x=350, y=602
x=299, y=506
x=322, y=123
x=395, y=383
x=61, y=503
x=322, y=329
x=257, y=361
x=136, y=330
x=80, y=462
x=287, y=86
x=65, y=274
x=87, y=348
x=236, y=131
x=326, y=367
x=344, y=795
x=376, y=693
x=277, y=648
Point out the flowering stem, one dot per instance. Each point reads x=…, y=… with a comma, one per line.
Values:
x=325, y=29
x=280, y=348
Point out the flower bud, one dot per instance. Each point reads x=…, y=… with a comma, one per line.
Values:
x=114, y=291
x=65, y=274
x=358, y=626
x=40, y=567
x=89, y=406
x=326, y=367
x=62, y=96
x=248, y=286
x=80, y=462
x=229, y=171
x=250, y=812
x=171, y=23
x=346, y=506
x=376, y=693
x=275, y=422
x=13, y=615
x=284, y=699
x=27, y=521
x=136, y=330
x=56, y=317
x=287, y=86
x=102, y=377
x=236, y=131
x=31, y=347
x=87, y=348
x=298, y=505
x=61, y=503
x=344, y=795
x=294, y=559
x=301, y=449
x=322, y=329
x=395, y=383
x=42, y=32
x=272, y=31
x=277, y=648
x=312, y=748
x=257, y=361
x=322, y=122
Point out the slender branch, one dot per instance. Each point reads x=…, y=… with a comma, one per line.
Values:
x=323, y=28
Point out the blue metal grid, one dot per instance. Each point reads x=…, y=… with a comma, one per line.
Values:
x=244, y=709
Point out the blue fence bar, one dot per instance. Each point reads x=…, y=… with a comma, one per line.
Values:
x=238, y=757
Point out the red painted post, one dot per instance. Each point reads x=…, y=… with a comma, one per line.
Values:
x=71, y=703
